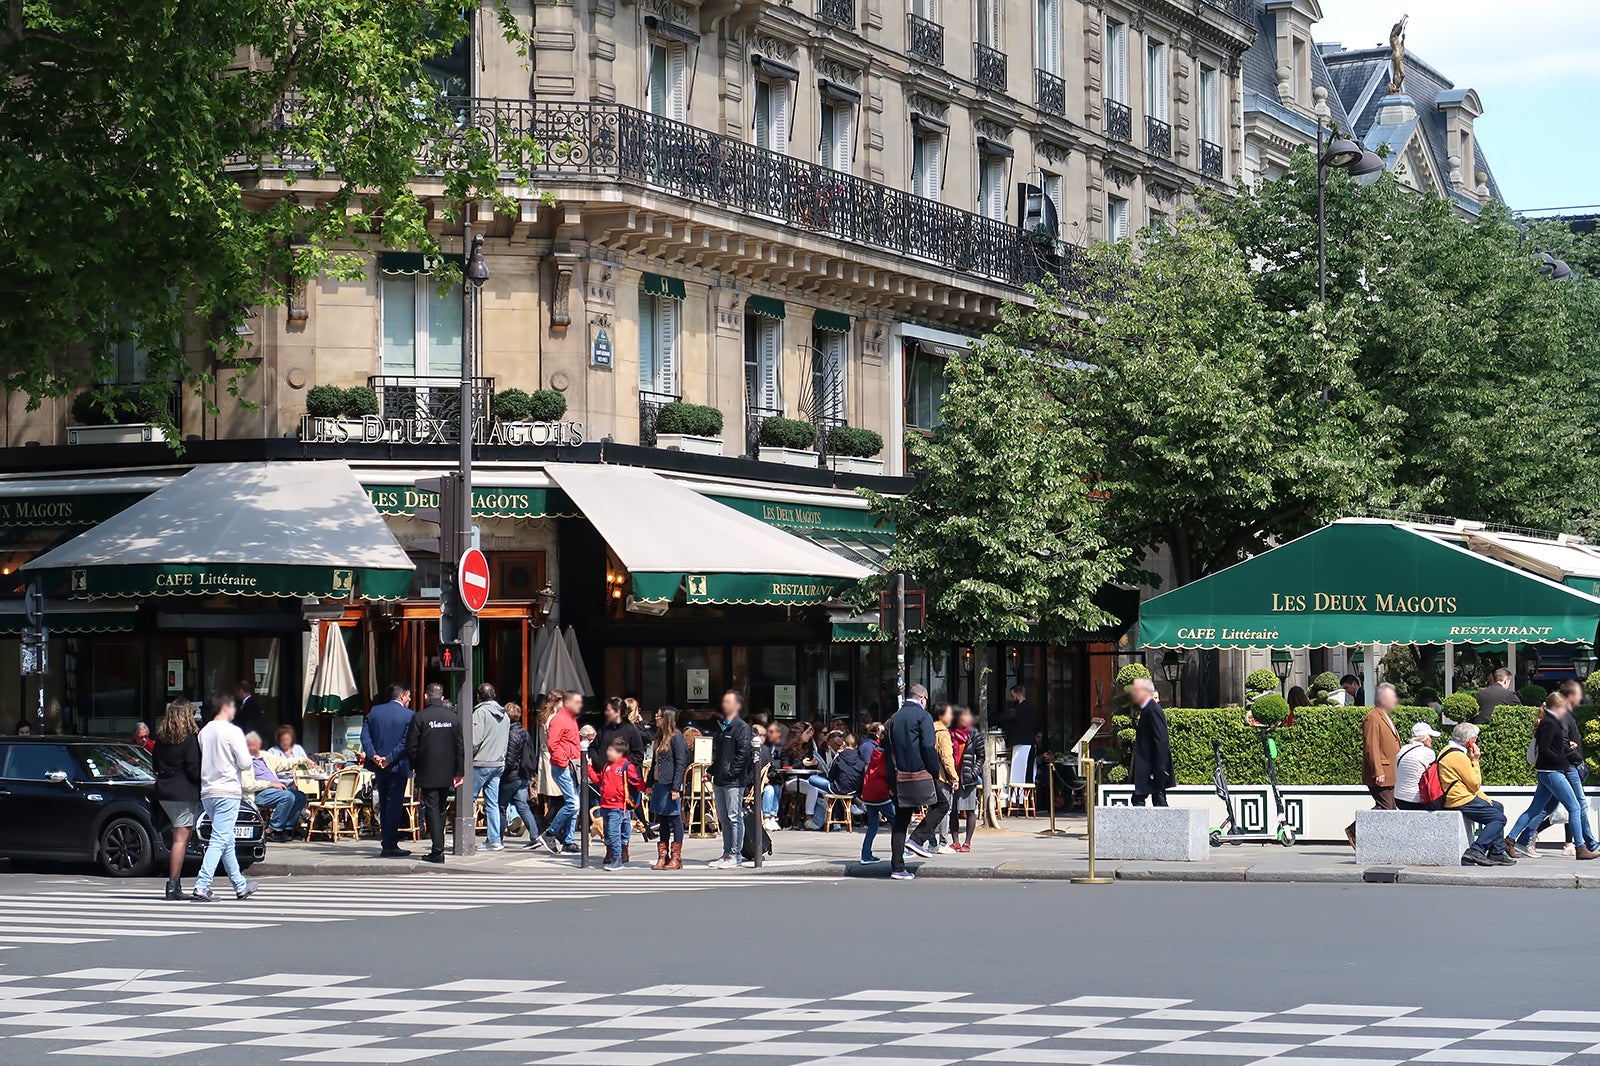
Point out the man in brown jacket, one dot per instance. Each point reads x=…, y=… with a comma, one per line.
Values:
x=1380, y=743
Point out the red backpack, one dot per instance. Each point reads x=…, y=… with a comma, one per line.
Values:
x=875, y=785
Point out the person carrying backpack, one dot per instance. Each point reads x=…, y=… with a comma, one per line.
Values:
x=876, y=798
x=1411, y=765
x=521, y=769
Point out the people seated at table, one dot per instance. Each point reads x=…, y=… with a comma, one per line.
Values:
x=284, y=745
x=845, y=776
x=267, y=788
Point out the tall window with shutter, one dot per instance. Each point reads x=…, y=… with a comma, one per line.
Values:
x=1210, y=106
x=992, y=186
x=1116, y=61
x=421, y=327
x=1116, y=218
x=927, y=149
x=837, y=149
x=1155, y=80
x=666, y=91
x=763, y=370
x=771, y=122
x=659, y=324
x=829, y=357
x=1049, y=36
x=1054, y=188
x=989, y=24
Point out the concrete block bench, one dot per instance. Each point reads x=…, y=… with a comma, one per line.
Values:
x=1410, y=838
x=1175, y=834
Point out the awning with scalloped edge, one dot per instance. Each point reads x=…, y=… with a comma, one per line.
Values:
x=293, y=529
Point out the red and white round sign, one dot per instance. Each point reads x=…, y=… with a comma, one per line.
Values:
x=472, y=578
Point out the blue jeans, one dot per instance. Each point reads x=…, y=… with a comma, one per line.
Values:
x=1546, y=797
x=1491, y=816
x=770, y=794
x=730, y=816
x=875, y=812
x=1575, y=779
x=616, y=820
x=223, y=811
x=486, y=783
x=285, y=806
x=519, y=803
x=565, y=824
x=1539, y=808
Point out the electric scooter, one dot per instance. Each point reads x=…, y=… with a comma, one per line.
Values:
x=1229, y=830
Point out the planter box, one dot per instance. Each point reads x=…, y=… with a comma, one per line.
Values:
x=788, y=456
x=131, y=433
x=688, y=442
x=849, y=464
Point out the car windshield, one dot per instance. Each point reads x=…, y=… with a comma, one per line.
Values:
x=115, y=762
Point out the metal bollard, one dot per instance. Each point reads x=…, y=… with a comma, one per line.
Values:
x=582, y=772
x=1092, y=769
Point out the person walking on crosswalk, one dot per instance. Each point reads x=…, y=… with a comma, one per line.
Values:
x=223, y=757
x=176, y=759
x=434, y=749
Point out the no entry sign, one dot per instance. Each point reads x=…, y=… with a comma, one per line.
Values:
x=472, y=578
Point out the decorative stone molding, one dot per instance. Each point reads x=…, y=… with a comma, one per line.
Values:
x=992, y=130
x=834, y=70
x=768, y=45
x=927, y=104
x=560, y=312
x=681, y=14
x=1052, y=151
x=299, y=306
x=1160, y=193
x=1119, y=177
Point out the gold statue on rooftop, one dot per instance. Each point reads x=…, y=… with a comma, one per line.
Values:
x=1397, y=56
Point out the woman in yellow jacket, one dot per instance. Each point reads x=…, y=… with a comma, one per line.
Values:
x=933, y=830
x=1462, y=779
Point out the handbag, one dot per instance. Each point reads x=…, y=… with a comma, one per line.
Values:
x=914, y=788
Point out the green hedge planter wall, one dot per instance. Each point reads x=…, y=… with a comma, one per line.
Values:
x=1323, y=747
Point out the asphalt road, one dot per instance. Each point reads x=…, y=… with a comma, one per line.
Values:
x=728, y=968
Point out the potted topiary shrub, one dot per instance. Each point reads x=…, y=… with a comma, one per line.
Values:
x=689, y=427
x=546, y=405
x=789, y=441
x=512, y=405
x=1268, y=711
x=116, y=417
x=344, y=415
x=852, y=450
x=1259, y=682
x=1323, y=686
x=1458, y=707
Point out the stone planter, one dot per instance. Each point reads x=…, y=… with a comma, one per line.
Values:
x=850, y=464
x=788, y=456
x=130, y=433
x=688, y=442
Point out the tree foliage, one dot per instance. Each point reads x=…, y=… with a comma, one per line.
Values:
x=142, y=137
x=1002, y=528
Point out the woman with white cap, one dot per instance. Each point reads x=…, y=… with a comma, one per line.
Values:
x=1410, y=764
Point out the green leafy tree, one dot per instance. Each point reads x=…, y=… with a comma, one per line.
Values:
x=135, y=207
x=1002, y=528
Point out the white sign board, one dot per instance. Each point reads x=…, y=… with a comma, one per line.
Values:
x=699, y=686
x=174, y=675
x=783, y=701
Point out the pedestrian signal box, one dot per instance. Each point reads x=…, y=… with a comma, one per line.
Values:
x=452, y=659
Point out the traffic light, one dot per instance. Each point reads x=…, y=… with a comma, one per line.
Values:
x=447, y=516
x=452, y=659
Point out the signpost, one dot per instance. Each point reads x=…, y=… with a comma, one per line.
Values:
x=472, y=579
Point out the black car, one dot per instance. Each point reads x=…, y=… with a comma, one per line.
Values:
x=77, y=799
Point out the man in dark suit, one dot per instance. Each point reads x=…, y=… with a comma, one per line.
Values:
x=1498, y=693
x=1152, y=751
x=1020, y=721
x=383, y=738
x=248, y=716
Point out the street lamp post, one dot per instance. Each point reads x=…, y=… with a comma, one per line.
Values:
x=1282, y=665
x=1172, y=670
x=1338, y=153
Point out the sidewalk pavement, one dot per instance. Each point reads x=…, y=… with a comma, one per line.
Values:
x=1019, y=851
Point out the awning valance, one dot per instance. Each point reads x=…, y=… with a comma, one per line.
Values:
x=1364, y=581
x=488, y=501
x=831, y=321
x=764, y=306
x=413, y=262
x=299, y=529
x=671, y=538
x=64, y=619
x=69, y=503
x=661, y=285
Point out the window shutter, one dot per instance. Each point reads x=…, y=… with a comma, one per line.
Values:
x=647, y=343
x=1208, y=105
x=1117, y=61
x=399, y=296
x=994, y=187
x=656, y=85
x=1050, y=36
x=444, y=328
x=1156, y=76
x=677, y=82
x=761, y=127
x=932, y=157
x=767, y=364
x=838, y=346
x=843, y=142
x=779, y=95
x=666, y=325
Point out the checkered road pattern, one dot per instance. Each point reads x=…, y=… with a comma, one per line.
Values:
x=120, y=1014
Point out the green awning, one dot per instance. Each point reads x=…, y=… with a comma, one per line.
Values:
x=413, y=262
x=765, y=306
x=487, y=501
x=68, y=620
x=858, y=633
x=831, y=322
x=803, y=517
x=782, y=589
x=1363, y=581
x=65, y=508
x=293, y=529
x=661, y=285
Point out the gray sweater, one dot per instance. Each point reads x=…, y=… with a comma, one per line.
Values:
x=491, y=729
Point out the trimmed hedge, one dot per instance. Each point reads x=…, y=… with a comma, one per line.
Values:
x=511, y=405
x=1323, y=747
x=547, y=405
x=788, y=433
x=850, y=441
x=695, y=419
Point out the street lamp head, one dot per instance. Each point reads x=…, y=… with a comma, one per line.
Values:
x=1583, y=662
x=1553, y=268
x=1368, y=169
x=1341, y=154
x=1282, y=663
x=1171, y=666
x=477, y=266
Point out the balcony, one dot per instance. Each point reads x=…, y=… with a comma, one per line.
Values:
x=925, y=39
x=650, y=405
x=1050, y=92
x=1211, y=160
x=430, y=400
x=989, y=67
x=1157, y=137
x=1243, y=10
x=839, y=12
x=1119, y=121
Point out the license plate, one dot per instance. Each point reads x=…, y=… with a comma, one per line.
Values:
x=243, y=832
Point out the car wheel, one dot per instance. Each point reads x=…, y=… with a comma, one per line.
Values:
x=125, y=848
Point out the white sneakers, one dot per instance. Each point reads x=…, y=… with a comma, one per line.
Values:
x=725, y=863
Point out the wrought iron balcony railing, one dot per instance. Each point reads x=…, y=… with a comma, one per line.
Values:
x=838, y=12
x=1119, y=120
x=425, y=399
x=989, y=67
x=1211, y=159
x=650, y=405
x=1243, y=10
x=754, y=415
x=611, y=144
x=925, y=39
x=1050, y=92
x=1157, y=137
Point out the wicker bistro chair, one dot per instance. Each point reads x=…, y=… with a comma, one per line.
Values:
x=842, y=802
x=340, y=807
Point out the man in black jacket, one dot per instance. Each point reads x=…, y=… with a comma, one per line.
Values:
x=912, y=759
x=1152, y=751
x=616, y=724
x=730, y=777
x=434, y=748
x=522, y=765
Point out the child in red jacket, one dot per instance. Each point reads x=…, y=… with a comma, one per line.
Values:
x=615, y=782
